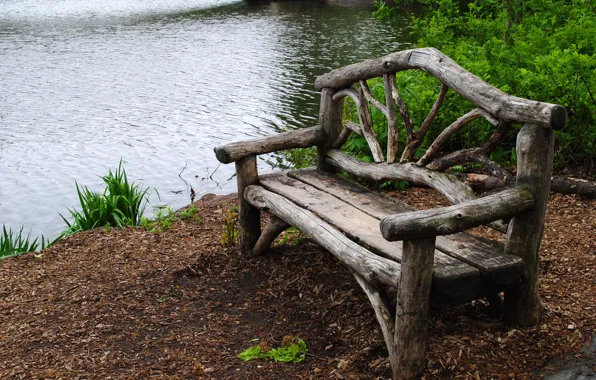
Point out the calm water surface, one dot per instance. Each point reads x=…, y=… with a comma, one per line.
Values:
x=157, y=83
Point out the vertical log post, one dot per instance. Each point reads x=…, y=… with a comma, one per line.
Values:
x=534, y=168
x=413, y=300
x=330, y=115
x=249, y=216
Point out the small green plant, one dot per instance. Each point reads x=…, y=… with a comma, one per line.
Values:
x=121, y=204
x=292, y=233
x=15, y=243
x=165, y=217
x=293, y=350
x=190, y=213
x=230, y=234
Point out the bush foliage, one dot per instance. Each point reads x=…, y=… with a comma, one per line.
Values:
x=536, y=49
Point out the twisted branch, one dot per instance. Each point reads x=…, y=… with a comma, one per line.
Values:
x=414, y=143
x=392, y=132
x=458, y=124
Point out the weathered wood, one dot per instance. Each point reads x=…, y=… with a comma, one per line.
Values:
x=371, y=99
x=447, y=184
x=496, y=102
x=416, y=139
x=565, y=185
x=301, y=138
x=496, y=137
x=249, y=217
x=471, y=155
x=367, y=129
x=487, y=256
x=350, y=92
x=456, y=218
x=392, y=133
x=386, y=320
x=412, y=309
x=484, y=181
x=403, y=109
x=330, y=114
x=452, y=277
x=275, y=227
x=342, y=138
x=376, y=270
x=458, y=124
x=534, y=168
x=475, y=155
x=357, y=128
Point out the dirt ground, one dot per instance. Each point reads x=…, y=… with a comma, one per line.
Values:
x=135, y=304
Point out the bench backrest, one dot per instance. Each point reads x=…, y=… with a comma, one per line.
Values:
x=499, y=108
x=534, y=147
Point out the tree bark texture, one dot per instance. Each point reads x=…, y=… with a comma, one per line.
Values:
x=275, y=227
x=386, y=320
x=500, y=105
x=447, y=184
x=582, y=187
x=301, y=138
x=249, y=217
x=412, y=308
x=330, y=114
x=534, y=168
x=457, y=218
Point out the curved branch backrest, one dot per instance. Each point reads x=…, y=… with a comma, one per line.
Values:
x=498, y=107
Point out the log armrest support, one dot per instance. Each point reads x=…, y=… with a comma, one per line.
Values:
x=448, y=220
x=301, y=138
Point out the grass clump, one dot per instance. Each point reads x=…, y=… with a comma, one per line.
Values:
x=121, y=204
x=293, y=350
x=14, y=243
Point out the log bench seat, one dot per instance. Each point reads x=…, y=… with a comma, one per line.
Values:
x=418, y=258
x=466, y=267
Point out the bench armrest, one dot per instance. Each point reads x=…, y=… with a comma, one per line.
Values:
x=456, y=218
x=301, y=138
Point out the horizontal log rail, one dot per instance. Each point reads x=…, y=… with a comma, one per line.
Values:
x=499, y=104
x=457, y=218
x=301, y=138
x=447, y=184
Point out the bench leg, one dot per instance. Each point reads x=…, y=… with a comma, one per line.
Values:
x=249, y=217
x=412, y=309
x=384, y=316
x=534, y=168
x=275, y=227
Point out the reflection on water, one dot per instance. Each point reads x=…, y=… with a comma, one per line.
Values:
x=159, y=84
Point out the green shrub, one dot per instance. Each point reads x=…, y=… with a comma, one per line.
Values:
x=536, y=49
x=121, y=204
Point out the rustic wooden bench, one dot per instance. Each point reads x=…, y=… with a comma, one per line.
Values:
x=436, y=262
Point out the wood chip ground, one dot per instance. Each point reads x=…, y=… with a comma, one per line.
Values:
x=134, y=304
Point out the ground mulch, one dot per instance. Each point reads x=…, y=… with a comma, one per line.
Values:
x=136, y=304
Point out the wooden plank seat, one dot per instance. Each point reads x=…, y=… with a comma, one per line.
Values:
x=418, y=257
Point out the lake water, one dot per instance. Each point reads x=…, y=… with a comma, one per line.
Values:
x=158, y=84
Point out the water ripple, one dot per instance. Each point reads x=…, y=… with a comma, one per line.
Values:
x=158, y=84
